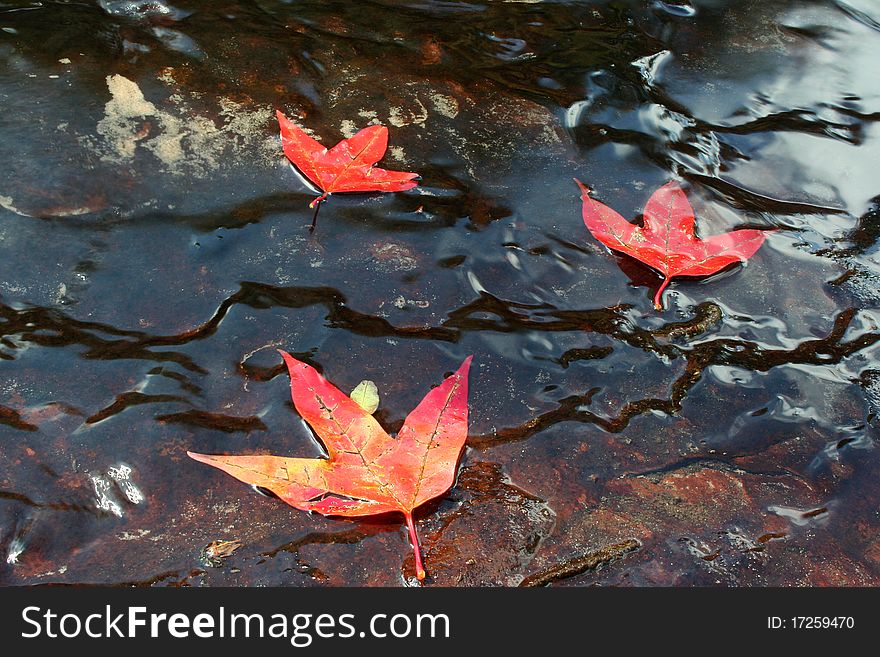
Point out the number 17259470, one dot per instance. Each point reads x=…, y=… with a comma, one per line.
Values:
x=811, y=623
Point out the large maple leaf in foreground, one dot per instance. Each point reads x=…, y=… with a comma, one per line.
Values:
x=348, y=166
x=667, y=241
x=367, y=471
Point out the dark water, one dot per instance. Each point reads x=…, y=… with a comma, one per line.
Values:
x=155, y=252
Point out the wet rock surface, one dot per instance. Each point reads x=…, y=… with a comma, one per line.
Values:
x=156, y=253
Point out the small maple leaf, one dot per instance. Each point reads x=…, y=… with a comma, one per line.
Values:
x=367, y=471
x=667, y=241
x=348, y=166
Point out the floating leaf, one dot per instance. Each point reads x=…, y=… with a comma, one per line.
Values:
x=348, y=166
x=667, y=241
x=367, y=471
x=366, y=395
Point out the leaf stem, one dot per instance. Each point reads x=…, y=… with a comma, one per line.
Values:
x=315, y=218
x=414, y=539
x=658, y=301
x=317, y=205
x=317, y=200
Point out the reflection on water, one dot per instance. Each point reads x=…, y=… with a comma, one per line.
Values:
x=156, y=252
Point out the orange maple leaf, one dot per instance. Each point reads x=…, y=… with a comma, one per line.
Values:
x=367, y=471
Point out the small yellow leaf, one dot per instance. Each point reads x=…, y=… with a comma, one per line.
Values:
x=366, y=395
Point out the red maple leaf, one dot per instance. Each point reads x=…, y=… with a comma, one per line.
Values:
x=367, y=471
x=348, y=166
x=667, y=242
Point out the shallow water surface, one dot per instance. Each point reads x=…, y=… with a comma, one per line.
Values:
x=156, y=252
